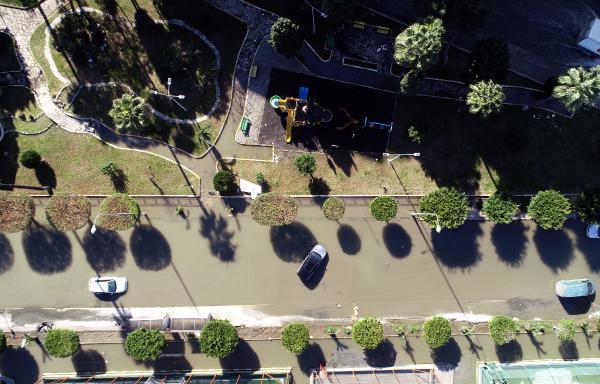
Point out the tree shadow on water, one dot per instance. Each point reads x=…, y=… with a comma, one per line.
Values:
x=47, y=250
x=568, y=350
x=458, y=248
x=150, y=248
x=243, y=357
x=509, y=352
x=382, y=356
x=510, y=242
x=7, y=255
x=214, y=228
x=397, y=240
x=311, y=358
x=104, y=250
x=348, y=239
x=292, y=242
x=447, y=357
x=19, y=365
x=555, y=248
x=88, y=362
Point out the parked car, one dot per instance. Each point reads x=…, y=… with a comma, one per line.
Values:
x=593, y=231
x=107, y=285
x=574, y=288
x=312, y=262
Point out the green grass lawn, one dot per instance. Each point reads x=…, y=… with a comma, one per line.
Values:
x=8, y=59
x=19, y=111
x=74, y=162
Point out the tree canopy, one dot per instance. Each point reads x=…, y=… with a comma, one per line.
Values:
x=218, y=339
x=485, y=98
x=61, y=343
x=579, y=87
x=588, y=206
x=285, y=37
x=384, y=208
x=500, y=208
x=129, y=114
x=295, y=338
x=145, y=344
x=305, y=164
x=549, y=209
x=273, y=209
x=420, y=44
x=437, y=332
x=448, y=204
x=368, y=333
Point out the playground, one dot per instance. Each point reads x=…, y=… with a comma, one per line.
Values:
x=328, y=115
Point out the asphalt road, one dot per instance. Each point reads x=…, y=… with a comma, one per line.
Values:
x=210, y=259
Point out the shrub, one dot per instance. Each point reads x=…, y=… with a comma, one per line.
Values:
x=305, y=164
x=500, y=208
x=16, y=212
x=414, y=135
x=384, y=208
x=333, y=208
x=145, y=344
x=578, y=88
x=549, y=209
x=129, y=114
x=30, y=159
x=485, y=97
x=419, y=45
x=218, y=339
x=112, y=207
x=273, y=209
x=2, y=342
x=285, y=37
x=565, y=330
x=448, y=204
x=295, y=338
x=67, y=212
x=110, y=169
x=61, y=342
x=410, y=82
x=588, y=206
x=436, y=332
x=368, y=333
x=224, y=182
x=260, y=178
x=502, y=329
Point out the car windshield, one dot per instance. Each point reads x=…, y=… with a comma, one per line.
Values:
x=112, y=286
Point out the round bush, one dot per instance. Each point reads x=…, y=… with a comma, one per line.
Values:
x=295, y=338
x=285, y=37
x=61, y=342
x=588, y=206
x=368, y=333
x=145, y=344
x=16, y=212
x=502, y=329
x=499, y=208
x=112, y=207
x=549, y=209
x=67, y=212
x=30, y=159
x=437, y=332
x=2, y=342
x=305, y=164
x=448, y=204
x=333, y=208
x=273, y=209
x=224, y=182
x=566, y=330
x=219, y=339
x=384, y=208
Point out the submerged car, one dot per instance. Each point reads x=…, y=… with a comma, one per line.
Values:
x=312, y=262
x=574, y=288
x=593, y=231
x=107, y=285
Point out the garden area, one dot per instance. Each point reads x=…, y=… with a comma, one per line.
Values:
x=140, y=51
x=18, y=111
x=8, y=58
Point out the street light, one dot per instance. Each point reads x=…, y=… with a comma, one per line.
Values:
x=93, y=229
x=397, y=155
x=438, y=227
x=168, y=94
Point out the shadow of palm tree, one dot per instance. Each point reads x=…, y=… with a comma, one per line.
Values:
x=7, y=255
x=150, y=248
x=88, y=362
x=104, y=250
x=292, y=242
x=214, y=228
x=47, y=250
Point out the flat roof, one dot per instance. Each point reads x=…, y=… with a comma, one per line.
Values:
x=540, y=372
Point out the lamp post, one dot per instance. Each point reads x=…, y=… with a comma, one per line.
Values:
x=397, y=155
x=438, y=227
x=168, y=94
x=312, y=8
x=93, y=229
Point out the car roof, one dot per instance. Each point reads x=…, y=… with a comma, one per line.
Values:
x=575, y=287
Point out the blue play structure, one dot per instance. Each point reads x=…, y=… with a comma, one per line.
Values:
x=303, y=93
x=374, y=124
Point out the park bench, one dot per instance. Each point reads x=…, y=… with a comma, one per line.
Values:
x=383, y=30
x=245, y=126
x=359, y=24
x=330, y=41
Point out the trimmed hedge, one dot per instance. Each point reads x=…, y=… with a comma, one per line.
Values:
x=16, y=212
x=30, y=159
x=499, y=208
x=273, y=209
x=118, y=203
x=502, y=329
x=549, y=209
x=295, y=338
x=68, y=212
x=218, y=339
x=145, y=344
x=61, y=343
x=224, y=182
x=333, y=208
x=437, y=332
x=368, y=333
x=384, y=208
x=448, y=204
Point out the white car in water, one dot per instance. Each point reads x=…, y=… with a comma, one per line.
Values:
x=107, y=285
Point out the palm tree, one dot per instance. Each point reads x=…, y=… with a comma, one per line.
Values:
x=579, y=87
x=129, y=114
x=204, y=134
x=485, y=98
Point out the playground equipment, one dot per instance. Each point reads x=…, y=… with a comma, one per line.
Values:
x=300, y=111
